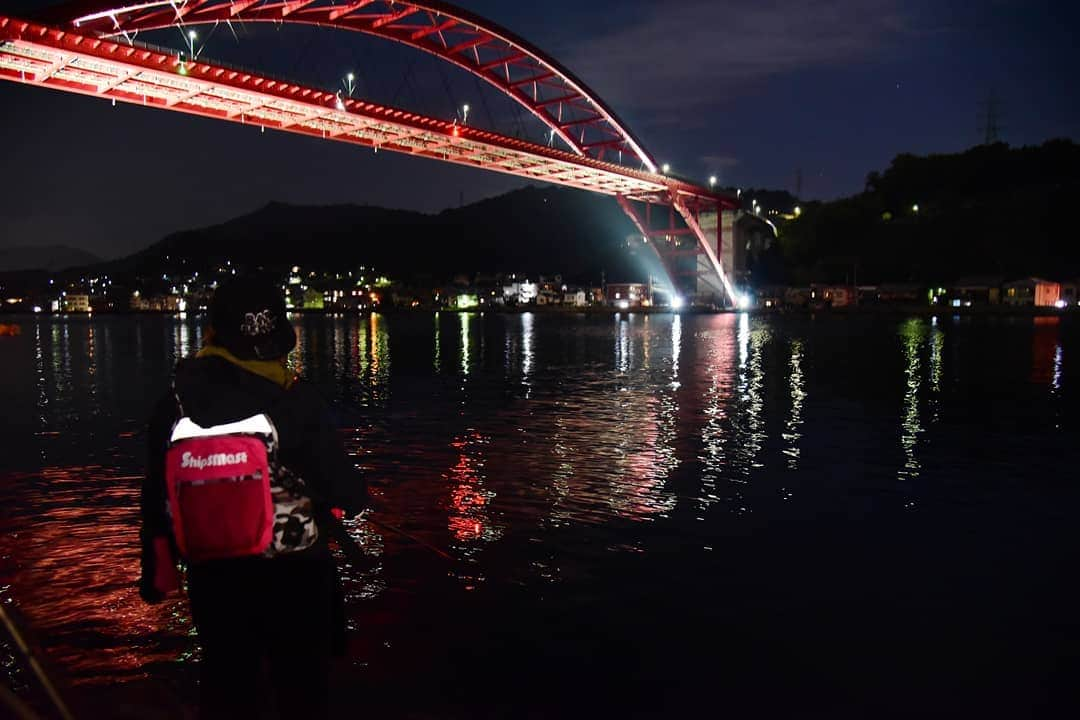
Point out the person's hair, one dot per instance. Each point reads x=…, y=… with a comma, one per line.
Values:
x=248, y=318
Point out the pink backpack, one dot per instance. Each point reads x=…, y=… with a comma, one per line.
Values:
x=218, y=487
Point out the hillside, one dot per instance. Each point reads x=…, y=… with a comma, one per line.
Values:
x=992, y=210
x=50, y=257
x=534, y=230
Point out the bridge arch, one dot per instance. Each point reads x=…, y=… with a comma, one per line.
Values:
x=522, y=72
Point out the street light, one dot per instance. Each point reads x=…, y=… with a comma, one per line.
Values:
x=350, y=83
x=466, y=111
x=798, y=211
x=915, y=209
x=712, y=181
x=666, y=168
x=191, y=42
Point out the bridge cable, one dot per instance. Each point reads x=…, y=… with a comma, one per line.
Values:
x=446, y=86
x=483, y=101
x=302, y=55
x=405, y=84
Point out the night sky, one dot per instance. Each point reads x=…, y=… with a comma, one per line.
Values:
x=753, y=92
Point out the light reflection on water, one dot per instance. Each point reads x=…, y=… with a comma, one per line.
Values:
x=570, y=440
x=797, y=388
x=912, y=336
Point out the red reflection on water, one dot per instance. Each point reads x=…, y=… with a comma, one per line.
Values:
x=70, y=560
x=1045, y=342
x=469, y=500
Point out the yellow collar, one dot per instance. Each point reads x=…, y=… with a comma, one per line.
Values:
x=276, y=371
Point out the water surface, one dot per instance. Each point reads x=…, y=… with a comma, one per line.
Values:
x=651, y=515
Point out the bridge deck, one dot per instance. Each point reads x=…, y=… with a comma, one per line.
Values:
x=133, y=73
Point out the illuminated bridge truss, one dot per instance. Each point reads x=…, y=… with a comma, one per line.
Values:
x=90, y=48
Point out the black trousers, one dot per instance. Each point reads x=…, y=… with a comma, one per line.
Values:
x=253, y=615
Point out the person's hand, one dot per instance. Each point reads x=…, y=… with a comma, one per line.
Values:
x=150, y=594
x=155, y=585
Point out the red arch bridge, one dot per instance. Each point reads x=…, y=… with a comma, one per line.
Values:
x=92, y=48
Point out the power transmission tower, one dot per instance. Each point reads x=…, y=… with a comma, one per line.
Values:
x=991, y=120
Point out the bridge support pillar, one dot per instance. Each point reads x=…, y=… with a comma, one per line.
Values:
x=691, y=254
x=720, y=229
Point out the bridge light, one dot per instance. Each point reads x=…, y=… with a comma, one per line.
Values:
x=465, y=110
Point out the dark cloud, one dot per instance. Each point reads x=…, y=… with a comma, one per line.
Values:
x=684, y=54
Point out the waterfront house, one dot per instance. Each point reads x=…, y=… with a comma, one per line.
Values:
x=1032, y=292
x=627, y=295
x=1068, y=293
x=77, y=303
x=836, y=296
x=970, y=291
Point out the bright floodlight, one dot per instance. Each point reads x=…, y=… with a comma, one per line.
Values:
x=915, y=209
x=677, y=303
x=712, y=181
x=192, y=34
x=466, y=108
x=744, y=301
x=666, y=168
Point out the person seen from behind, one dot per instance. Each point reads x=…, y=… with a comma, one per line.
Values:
x=245, y=473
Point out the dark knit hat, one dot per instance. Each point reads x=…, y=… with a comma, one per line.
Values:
x=249, y=320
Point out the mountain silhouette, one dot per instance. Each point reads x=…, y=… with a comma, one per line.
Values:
x=533, y=231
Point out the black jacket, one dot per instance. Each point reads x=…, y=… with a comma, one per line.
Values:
x=214, y=391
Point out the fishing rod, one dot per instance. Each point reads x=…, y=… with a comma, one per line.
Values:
x=35, y=664
x=413, y=538
x=351, y=547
